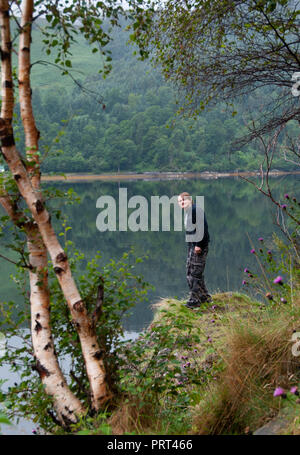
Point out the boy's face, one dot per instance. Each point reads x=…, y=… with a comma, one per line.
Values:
x=184, y=202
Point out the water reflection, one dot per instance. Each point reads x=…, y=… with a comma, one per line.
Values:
x=233, y=209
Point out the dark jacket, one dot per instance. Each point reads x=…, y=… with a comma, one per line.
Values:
x=204, y=242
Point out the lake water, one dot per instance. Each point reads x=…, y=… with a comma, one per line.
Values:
x=234, y=210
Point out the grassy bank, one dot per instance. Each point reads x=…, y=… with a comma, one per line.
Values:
x=209, y=371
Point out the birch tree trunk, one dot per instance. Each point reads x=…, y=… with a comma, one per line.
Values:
x=29, y=189
x=30, y=129
x=66, y=405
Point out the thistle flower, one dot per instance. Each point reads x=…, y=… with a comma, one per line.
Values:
x=278, y=280
x=284, y=206
x=279, y=392
x=252, y=251
x=269, y=296
x=212, y=321
x=283, y=300
x=214, y=307
x=286, y=196
x=269, y=252
x=261, y=239
x=244, y=282
x=294, y=390
x=209, y=339
x=246, y=270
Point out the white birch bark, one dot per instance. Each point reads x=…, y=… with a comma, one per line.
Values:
x=90, y=348
x=67, y=406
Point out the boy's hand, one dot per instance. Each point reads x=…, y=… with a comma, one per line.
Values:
x=198, y=249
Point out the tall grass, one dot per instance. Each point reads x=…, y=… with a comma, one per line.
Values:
x=257, y=357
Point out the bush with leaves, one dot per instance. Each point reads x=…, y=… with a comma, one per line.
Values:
x=109, y=291
x=3, y=417
x=163, y=369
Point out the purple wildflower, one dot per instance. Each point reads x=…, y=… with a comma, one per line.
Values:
x=283, y=300
x=250, y=275
x=279, y=392
x=212, y=321
x=244, y=282
x=195, y=350
x=209, y=339
x=286, y=196
x=278, y=280
x=269, y=252
x=269, y=296
x=214, y=307
x=252, y=251
x=246, y=270
x=261, y=239
x=284, y=206
x=294, y=390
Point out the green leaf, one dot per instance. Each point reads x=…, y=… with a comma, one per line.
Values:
x=4, y=419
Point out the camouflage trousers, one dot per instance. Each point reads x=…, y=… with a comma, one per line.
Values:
x=195, y=265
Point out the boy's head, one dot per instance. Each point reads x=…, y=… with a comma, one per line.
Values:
x=184, y=200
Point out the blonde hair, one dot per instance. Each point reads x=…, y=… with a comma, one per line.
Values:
x=185, y=195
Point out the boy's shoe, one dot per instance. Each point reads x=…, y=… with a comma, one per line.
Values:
x=192, y=306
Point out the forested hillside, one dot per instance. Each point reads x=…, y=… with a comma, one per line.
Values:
x=127, y=122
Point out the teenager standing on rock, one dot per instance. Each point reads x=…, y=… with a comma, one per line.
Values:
x=197, y=251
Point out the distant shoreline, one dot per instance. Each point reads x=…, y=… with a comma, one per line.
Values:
x=159, y=176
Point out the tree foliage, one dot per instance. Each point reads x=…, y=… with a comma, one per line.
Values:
x=221, y=50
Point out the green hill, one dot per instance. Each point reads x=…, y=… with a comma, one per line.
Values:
x=128, y=121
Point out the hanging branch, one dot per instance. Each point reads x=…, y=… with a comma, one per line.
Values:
x=269, y=150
